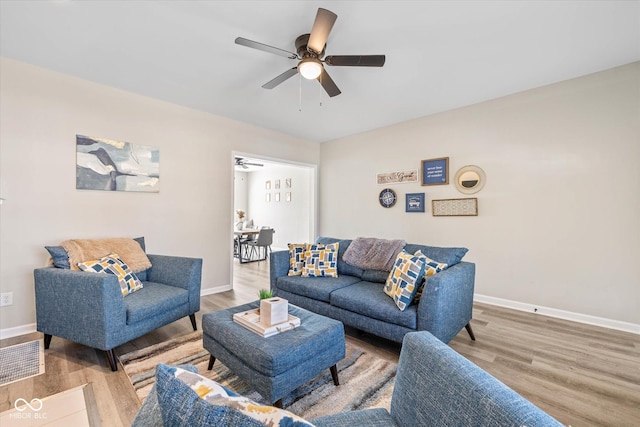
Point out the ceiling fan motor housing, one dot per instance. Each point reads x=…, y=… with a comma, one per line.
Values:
x=302, y=49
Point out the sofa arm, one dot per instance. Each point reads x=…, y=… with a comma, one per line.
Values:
x=83, y=307
x=181, y=272
x=447, y=301
x=437, y=386
x=278, y=266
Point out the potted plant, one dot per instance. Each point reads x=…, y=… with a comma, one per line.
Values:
x=265, y=294
x=273, y=310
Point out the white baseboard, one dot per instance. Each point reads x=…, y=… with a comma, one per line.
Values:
x=561, y=314
x=215, y=290
x=18, y=330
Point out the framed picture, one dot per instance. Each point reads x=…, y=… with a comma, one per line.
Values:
x=287, y=196
x=455, y=207
x=287, y=183
x=277, y=184
x=414, y=202
x=435, y=171
x=267, y=185
x=267, y=197
x=277, y=197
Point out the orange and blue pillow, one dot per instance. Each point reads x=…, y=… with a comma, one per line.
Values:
x=321, y=260
x=404, y=279
x=112, y=264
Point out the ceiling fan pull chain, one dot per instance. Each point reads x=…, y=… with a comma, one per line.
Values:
x=320, y=90
x=299, y=92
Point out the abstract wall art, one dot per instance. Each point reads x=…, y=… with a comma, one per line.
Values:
x=106, y=164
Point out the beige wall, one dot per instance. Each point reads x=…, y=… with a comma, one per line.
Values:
x=559, y=223
x=42, y=111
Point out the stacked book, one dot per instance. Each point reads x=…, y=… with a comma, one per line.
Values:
x=250, y=319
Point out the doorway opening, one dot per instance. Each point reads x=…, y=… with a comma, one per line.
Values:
x=274, y=193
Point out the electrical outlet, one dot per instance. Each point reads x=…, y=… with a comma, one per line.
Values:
x=6, y=298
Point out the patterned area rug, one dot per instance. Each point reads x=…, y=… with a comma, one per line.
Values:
x=21, y=361
x=366, y=380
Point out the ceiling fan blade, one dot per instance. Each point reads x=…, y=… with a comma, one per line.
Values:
x=355, y=60
x=266, y=48
x=281, y=78
x=321, y=29
x=253, y=164
x=328, y=84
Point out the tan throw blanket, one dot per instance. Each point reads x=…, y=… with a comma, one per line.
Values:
x=373, y=254
x=81, y=250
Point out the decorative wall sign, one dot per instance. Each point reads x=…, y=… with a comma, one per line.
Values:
x=455, y=207
x=106, y=164
x=414, y=202
x=403, y=176
x=387, y=198
x=435, y=171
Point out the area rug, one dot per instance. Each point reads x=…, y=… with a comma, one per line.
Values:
x=21, y=361
x=366, y=380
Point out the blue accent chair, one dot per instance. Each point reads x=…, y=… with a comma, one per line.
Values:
x=88, y=308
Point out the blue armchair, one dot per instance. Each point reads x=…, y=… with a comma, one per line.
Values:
x=88, y=308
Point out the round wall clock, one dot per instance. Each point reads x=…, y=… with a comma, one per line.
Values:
x=387, y=198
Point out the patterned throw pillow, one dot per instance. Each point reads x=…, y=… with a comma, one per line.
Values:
x=112, y=264
x=321, y=261
x=402, y=283
x=296, y=258
x=431, y=267
x=188, y=399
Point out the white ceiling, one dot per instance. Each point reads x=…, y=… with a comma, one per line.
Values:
x=440, y=54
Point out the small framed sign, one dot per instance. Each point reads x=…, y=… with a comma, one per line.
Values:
x=414, y=202
x=455, y=207
x=435, y=171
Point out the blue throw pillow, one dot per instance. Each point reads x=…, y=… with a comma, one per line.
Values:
x=449, y=256
x=59, y=256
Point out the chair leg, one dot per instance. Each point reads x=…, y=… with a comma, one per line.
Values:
x=111, y=357
x=47, y=341
x=334, y=375
x=192, y=317
x=470, y=331
x=212, y=360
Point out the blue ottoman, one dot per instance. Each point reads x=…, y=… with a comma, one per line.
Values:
x=277, y=365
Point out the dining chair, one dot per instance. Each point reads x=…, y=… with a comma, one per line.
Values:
x=263, y=242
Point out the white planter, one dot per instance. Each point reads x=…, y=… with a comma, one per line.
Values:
x=273, y=311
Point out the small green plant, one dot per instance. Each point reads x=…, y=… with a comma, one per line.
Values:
x=265, y=294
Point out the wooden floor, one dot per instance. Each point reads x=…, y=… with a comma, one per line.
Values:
x=582, y=375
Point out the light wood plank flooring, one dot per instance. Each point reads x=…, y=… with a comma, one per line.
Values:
x=582, y=375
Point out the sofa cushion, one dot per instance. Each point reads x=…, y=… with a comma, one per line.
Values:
x=112, y=264
x=188, y=399
x=369, y=299
x=406, y=275
x=152, y=300
x=343, y=267
x=375, y=276
x=296, y=258
x=321, y=261
x=449, y=256
x=318, y=288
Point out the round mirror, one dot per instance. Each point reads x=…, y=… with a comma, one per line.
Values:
x=470, y=179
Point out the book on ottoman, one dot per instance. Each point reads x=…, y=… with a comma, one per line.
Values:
x=250, y=319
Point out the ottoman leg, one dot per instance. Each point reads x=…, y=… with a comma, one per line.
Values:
x=212, y=360
x=334, y=375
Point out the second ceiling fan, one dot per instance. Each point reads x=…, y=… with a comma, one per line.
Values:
x=310, y=49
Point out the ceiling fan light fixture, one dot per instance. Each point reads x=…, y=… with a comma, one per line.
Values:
x=310, y=68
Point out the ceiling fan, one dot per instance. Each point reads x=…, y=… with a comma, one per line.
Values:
x=244, y=164
x=310, y=50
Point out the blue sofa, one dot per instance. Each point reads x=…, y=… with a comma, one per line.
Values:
x=434, y=386
x=88, y=308
x=356, y=296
